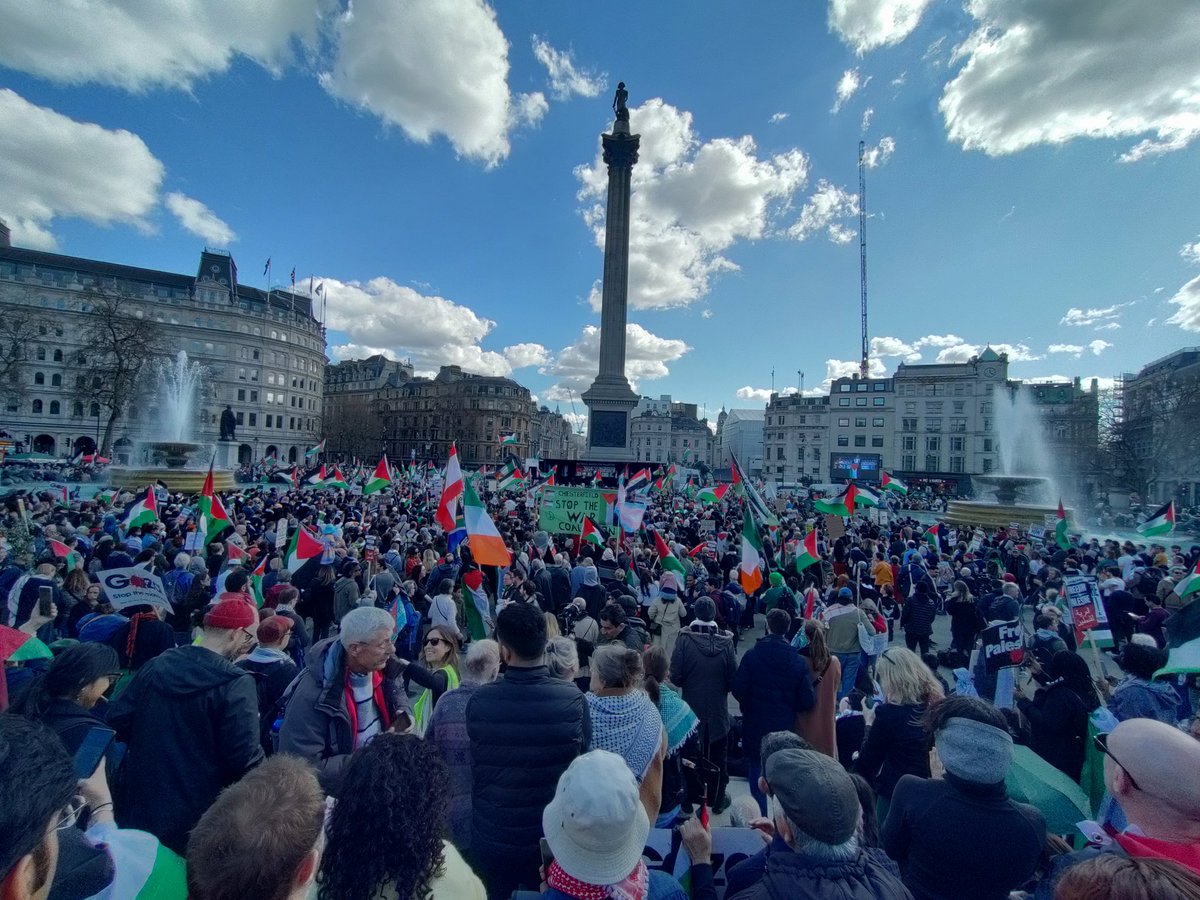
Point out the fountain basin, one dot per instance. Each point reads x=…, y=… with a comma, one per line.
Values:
x=187, y=481
x=1000, y=515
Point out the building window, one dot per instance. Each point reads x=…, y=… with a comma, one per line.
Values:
x=908, y=463
x=987, y=445
x=931, y=462
x=860, y=440
x=879, y=386
x=933, y=423
x=844, y=388
x=843, y=440
x=958, y=425
x=910, y=407
x=933, y=444
x=860, y=422
x=58, y=357
x=37, y=406
x=254, y=420
x=987, y=466
x=843, y=401
x=844, y=422
x=39, y=378
x=908, y=424
x=956, y=464
x=957, y=444
x=909, y=442
x=877, y=440
x=95, y=410
x=877, y=422
x=862, y=401
x=879, y=401
x=41, y=353
x=55, y=407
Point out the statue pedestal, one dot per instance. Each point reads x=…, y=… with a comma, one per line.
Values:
x=226, y=455
x=609, y=401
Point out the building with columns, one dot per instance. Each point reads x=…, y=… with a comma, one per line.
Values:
x=263, y=354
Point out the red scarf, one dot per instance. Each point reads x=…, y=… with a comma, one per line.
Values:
x=633, y=887
x=1187, y=855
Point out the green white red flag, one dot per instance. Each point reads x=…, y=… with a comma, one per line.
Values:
x=591, y=533
x=487, y=547
x=752, y=556
x=888, y=483
x=304, y=546
x=667, y=559
x=141, y=512
x=1060, y=528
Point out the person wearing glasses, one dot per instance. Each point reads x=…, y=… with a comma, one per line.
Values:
x=348, y=691
x=438, y=675
x=1151, y=769
x=64, y=697
x=189, y=719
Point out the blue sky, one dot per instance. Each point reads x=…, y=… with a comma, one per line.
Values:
x=435, y=166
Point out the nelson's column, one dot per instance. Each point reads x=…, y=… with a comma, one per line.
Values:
x=610, y=399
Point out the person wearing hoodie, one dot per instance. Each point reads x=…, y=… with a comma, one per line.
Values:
x=594, y=596
x=703, y=667
x=345, y=589
x=190, y=720
x=273, y=670
x=1138, y=696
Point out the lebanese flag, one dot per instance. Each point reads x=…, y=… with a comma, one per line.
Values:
x=666, y=558
x=752, y=553
x=452, y=489
x=380, y=480
x=808, y=553
x=304, y=546
x=487, y=547
x=1060, y=528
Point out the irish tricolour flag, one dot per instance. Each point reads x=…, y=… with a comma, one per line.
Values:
x=380, y=480
x=487, y=547
x=1161, y=521
x=141, y=512
x=893, y=484
x=752, y=553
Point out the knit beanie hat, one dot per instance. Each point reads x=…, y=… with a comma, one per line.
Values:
x=231, y=614
x=974, y=751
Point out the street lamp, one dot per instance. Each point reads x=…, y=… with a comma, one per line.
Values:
x=96, y=449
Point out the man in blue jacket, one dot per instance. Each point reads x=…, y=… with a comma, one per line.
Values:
x=771, y=685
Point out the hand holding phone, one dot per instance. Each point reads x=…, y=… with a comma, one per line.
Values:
x=46, y=601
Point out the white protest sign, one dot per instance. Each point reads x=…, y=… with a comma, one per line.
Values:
x=730, y=846
x=133, y=586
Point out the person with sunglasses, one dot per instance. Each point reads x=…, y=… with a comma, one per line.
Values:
x=190, y=720
x=438, y=675
x=1152, y=770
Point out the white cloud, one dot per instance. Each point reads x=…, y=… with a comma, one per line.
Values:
x=1046, y=73
x=520, y=356
x=1103, y=382
x=962, y=352
x=876, y=156
x=824, y=212
x=141, y=44
x=433, y=68
x=1098, y=346
x=886, y=346
x=692, y=200
x=1187, y=298
x=1107, y=326
x=565, y=79
x=1098, y=316
x=1074, y=349
x=529, y=109
x=868, y=24
x=1191, y=252
x=867, y=116
x=844, y=368
x=778, y=117
x=848, y=85
x=431, y=330
x=899, y=80
x=54, y=166
x=340, y=352
x=706, y=314
x=200, y=220
x=752, y=393
x=646, y=357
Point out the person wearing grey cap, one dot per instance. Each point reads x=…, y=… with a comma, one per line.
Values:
x=816, y=812
x=960, y=835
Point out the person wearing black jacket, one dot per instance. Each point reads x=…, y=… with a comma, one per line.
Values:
x=917, y=617
x=1058, y=714
x=273, y=670
x=524, y=731
x=190, y=720
x=771, y=685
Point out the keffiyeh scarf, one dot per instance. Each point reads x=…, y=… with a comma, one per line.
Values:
x=634, y=887
x=677, y=718
x=629, y=726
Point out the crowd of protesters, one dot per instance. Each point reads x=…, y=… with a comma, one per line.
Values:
x=352, y=726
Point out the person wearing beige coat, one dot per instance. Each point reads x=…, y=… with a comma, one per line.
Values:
x=666, y=614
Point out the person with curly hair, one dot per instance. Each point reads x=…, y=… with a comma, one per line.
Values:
x=384, y=837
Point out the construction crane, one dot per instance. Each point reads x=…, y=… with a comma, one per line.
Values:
x=862, y=251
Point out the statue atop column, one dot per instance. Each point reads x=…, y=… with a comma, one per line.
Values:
x=618, y=104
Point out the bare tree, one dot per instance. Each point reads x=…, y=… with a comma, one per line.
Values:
x=119, y=346
x=19, y=327
x=354, y=427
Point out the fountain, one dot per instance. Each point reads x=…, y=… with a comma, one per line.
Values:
x=172, y=456
x=1020, y=496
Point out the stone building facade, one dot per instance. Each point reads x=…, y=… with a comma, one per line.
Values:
x=795, y=439
x=663, y=437
x=263, y=354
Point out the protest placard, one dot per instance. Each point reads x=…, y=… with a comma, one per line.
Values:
x=1003, y=646
x=1084, y=604
x=133, y=586
x=834, y=527
x=664, y=851
x=563, y=509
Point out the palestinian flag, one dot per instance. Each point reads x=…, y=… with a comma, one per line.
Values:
x=294, y=477
x=270, y=461
x=508, y=440
x=1161, y=521
x=106, y=497
x=510, y=477
x=212, y=513
x=380, y=480
x=591, y=534
x=808, y=554
x=476, y=609
x=487, y=547
x=141, y=512
x=320, y=448
x=1189, y=584
x=1060, y=528
x=59, y=549
x=336, y=480
x=687, y=455
x=933, y=536
x=671, y=470
x=62, y=497
x=17, y=646
x=318, y=479
x=304, y=546
x=841, y=505
x=865, y=497
x=713, y=493
x=666, y=558
x=1183, y=640
x=256, y=577
x=452, y=489
x=893, y=484
x=596, y=479
x=751, y=575
x=235, y=554
x=636, y=481
x=631, y=578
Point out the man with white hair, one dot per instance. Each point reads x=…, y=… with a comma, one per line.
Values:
x=348, y=692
